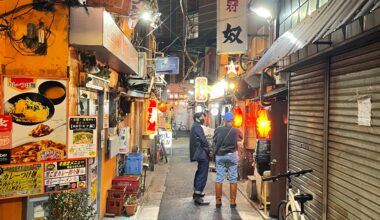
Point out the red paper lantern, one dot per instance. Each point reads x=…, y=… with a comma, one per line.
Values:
x=238, y=116
x=162, y=107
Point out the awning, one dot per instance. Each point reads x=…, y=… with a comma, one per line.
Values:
x=274, y=93
x=319, y=24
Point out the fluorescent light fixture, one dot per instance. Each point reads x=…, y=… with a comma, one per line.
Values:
x=146, y=16
x=262, y=12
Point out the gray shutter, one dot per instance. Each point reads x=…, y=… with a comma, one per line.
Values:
x=306, y=134
x=353, y=150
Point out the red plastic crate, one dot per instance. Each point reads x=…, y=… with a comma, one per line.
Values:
x=131, y=182
x=116, y=193
x=115, y=206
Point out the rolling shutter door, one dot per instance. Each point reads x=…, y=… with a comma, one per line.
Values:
x=306, y=134
x=353, y=150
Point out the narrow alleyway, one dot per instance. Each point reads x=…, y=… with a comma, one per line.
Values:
x=177, y=200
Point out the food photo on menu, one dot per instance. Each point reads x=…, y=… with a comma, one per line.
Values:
x=39, y=114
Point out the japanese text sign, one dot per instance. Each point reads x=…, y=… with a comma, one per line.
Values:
x=20, y=180
x=232, y=35
x=5, y=132
x=64, y=175
x=201, y=89
x=82, y=136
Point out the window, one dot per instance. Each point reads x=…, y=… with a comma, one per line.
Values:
x=193, y=26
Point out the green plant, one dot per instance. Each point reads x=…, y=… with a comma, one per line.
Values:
x=132, y=199
x=70, y=205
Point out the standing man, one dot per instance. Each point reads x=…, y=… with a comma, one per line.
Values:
x=199, y=152
x=226, y=158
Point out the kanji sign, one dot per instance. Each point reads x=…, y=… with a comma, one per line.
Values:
x=201, y=91
x=20, y=180
x=82, y=136
x=232, y=35
x=64, y=175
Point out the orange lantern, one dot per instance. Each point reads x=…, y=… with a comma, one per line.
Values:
x=263, y=124
x=238, y=116
x=162, y=107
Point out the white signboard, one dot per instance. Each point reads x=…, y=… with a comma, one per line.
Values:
x=124, y=140
x=232, y=35
x=83, y=136
x=166, y=137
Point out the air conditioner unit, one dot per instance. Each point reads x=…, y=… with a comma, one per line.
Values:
x=142, y=64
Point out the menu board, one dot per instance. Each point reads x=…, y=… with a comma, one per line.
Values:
x=39, y=116
x=65, y=175
x=82, y=136
x=20, y=180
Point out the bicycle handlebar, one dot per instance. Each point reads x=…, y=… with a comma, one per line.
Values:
x=287, y=175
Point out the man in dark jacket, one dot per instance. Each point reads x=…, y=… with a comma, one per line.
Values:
x=199, y=148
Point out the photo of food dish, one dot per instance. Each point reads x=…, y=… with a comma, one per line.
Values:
x=50, y=166
x=83, y=137
x=28, y=152
x=29, y=108
x=53, y=90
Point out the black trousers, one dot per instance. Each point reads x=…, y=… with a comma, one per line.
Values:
x=200, y=178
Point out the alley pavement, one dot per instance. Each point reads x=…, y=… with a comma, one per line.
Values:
x=170, y=189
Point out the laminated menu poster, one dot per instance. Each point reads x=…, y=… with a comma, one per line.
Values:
x=82, y=136
x=39, y=116
x=20, y=180
x=65, y=175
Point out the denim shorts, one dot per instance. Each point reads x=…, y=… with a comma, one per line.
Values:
x=227, y=162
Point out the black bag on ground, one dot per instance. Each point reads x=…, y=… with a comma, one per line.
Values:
x=262, y=155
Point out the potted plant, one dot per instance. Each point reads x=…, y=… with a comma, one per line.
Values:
x=70, y=205
x=131, y=205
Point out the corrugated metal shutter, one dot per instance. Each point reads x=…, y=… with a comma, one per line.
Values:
x=306, y=134
x=353, y=150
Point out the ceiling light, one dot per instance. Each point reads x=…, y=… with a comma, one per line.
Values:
x=192, y=81
x=146, y=15
x=262, y=12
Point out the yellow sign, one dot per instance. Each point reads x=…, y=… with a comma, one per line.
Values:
x=20, y=180
x=201, y=89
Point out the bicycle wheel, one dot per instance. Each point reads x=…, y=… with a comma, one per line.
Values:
x=282, y=210
x=164, y=154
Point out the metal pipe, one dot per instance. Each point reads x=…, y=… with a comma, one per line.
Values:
x=326, y=139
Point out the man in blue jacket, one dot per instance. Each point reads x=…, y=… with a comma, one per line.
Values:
x=199, y=151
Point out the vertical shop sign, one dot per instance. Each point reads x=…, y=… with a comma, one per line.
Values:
x=82, y=136
x=64, y=175
x=20, y=180
x=5, y=138
x=39, y=116
x=232, y=35
x=124, y=134
x=201, y=89
x=152, y=116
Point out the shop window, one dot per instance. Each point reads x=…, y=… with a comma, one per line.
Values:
x=295, y=5
x=312, y=5
x=303, y=11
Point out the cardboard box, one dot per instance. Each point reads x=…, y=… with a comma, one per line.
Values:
x=121, y=7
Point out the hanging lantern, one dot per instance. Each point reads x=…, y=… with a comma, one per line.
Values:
x=162, y=107
x=238, y=117
x=263, y=124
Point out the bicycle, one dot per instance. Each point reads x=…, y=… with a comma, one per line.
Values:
x=295, y=205
x=161, y=151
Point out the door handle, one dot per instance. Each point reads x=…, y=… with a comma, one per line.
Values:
x=273, y=162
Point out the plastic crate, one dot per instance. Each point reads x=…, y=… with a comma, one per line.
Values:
x=132, y=183
x=115, y=206
x=117, y=193
x=134, y=163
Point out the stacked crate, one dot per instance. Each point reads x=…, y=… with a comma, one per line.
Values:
x=132, y=184
x=115, y=199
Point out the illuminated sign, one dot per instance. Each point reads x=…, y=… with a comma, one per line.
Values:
x=201, y=89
